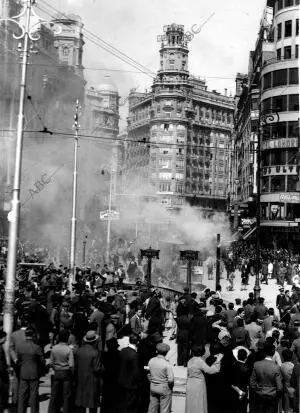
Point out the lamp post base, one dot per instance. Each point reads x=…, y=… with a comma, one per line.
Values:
x=256, y=290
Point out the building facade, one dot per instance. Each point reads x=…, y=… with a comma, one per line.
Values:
x=102, y=122
x=54, y=82
x=179, y=134
x=271, y=95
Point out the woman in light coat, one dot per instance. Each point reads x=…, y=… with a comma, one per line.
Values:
x=196, y=397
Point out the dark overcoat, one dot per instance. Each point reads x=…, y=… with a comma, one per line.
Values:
x=88, y=366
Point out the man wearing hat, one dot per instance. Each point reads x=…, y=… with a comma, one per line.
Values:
x=88, y=369
x=161, y=378
x=29, y=357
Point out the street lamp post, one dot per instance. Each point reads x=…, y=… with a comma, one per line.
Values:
x=189, y=256
x=83, y=250
x=218, y=261
x=149, y=253
x=29, y=23
x=72, y=278
x=265, y=117
x=109, y=220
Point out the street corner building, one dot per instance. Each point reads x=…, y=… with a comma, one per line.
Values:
x=267, y=120
x=179, y=134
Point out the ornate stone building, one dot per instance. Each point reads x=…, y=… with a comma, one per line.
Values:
x=179, y=134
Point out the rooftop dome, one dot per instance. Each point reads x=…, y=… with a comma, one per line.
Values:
x=106, y=87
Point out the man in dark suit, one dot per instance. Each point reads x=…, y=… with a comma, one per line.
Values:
x=199, y=327
x=29, y=357
x=130, y=378
x=266, y=383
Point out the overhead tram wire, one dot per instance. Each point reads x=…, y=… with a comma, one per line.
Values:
x=154, y=144
x=108, y=69
x=102, y=43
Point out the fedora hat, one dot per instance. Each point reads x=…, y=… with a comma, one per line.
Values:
x=90, y=337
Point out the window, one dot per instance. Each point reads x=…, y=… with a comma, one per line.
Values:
x=296, y=51
x=280, y=103
x=278, y=54
x=293, y=129
x=265, y=184
x=165, y=176
x=278, y=130
x=294, y=76
x=294, y=102
x=267, y=132
x=266, y=104
x=65, y=51
x=279, y=31
x=265, y=159
x=288, y=52
x=277, y=157
x=278, y=183
x=292, y=156
x=292, y=183
x=179, y=176
x=288, y=28
x=280, y=77
x=297, y=27
x=288, y=3
x=267, y=81
x=179, y=188
x=280, y=4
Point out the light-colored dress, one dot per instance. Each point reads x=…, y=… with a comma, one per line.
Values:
x=196, y=398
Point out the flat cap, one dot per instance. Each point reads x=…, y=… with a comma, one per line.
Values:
x=162, y=348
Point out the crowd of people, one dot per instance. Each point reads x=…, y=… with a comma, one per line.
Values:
x=105, y=346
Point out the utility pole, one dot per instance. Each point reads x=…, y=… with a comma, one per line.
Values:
x=218, y=262
x=149, y=253
x=83, y=250
x=189, y=256
x=109, y=220
x=14, y=214
x=257, y=288
x=72, y=278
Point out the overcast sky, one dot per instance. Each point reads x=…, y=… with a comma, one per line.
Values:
x=221, y=49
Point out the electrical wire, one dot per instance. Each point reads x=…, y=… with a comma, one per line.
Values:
x=110, y=69
x=140, y=141
x=102, y=43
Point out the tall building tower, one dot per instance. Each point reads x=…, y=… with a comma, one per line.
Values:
x=179, y=134
x=69, y=42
